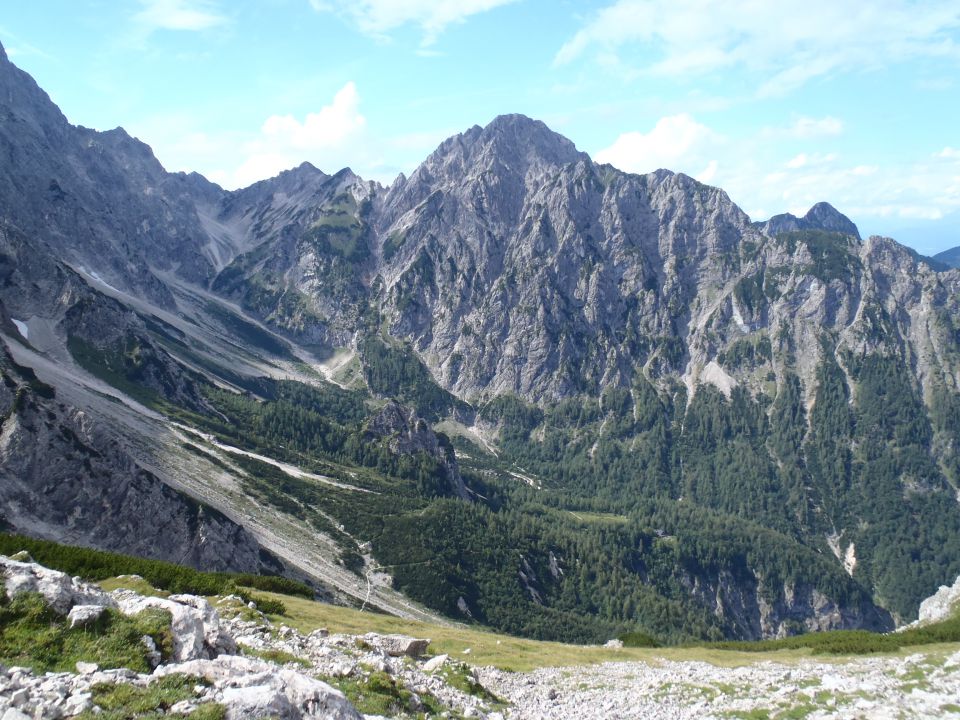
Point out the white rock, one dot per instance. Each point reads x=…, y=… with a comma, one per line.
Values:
x=254, y=688
x=215, y=636
x=83, y=615
x=76, y=704
x=60, y=590
x=613, y=644
x=14, y=714
x=87, y=668
x=184, y=707
x=435, y=663
x=397, y=645
x=941, y=605
x=195, y=625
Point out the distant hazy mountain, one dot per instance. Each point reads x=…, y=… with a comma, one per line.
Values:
x=620, y=404
x=949, y=257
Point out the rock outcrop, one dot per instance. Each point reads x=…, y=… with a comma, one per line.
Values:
x=195, y=625
x=251, y=688
x=942, y=605
x=408, y=434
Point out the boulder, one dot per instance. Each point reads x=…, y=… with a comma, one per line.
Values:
x=253, y=688
x=398, y=645
x=60, y=590
x=195, y=625
x=83, y=615
x=435, y=663
x=215, y=637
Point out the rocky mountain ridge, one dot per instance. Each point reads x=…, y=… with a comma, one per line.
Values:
x=627, y=348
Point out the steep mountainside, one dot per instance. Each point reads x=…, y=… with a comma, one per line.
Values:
x=517, y=386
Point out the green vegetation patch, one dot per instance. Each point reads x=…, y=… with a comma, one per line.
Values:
x=33, y=635
x=249, y=333
x=855, y=642
x=396, y=371
x=123, y=701
x=99, y=565
x=377, y=693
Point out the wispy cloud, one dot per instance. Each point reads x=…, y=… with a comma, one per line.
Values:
x=676, y=142
x=786, y=43
x=17, y=47
x=378, y=18
x=329, y=138
x=189, y=15
x=756, y=171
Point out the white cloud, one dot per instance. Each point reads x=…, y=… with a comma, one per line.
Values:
x=804, y=160
x=708, y=173
x=178, y=15
x=805, y=127
x=676, y=142
x=334, y=137
x=326, y=138
x=379, y=17
x=948, y=153
x=787, y=43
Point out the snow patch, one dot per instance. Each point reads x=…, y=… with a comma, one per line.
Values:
x=22, y=328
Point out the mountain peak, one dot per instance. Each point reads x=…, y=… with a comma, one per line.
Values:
x=3, y=54
x=822, y=216
x=521, y=136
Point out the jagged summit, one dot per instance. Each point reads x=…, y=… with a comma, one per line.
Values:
x=510, y=143
x=822, y=216
x=522, y=135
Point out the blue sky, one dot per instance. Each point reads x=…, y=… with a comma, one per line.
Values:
x=780, y=103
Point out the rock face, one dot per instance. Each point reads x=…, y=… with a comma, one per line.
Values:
x=949, y=257
x=62, y=473
x=821, y=216
x=942, y=605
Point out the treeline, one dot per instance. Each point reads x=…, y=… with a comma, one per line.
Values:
x=97, y=565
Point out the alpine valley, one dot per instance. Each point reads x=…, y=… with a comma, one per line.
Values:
x=517, y=388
